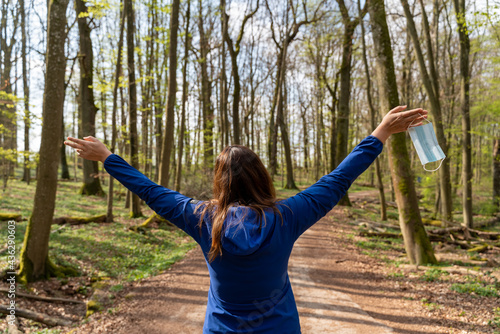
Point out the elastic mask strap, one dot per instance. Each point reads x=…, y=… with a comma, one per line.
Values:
x=409, y=126
x=433, y=170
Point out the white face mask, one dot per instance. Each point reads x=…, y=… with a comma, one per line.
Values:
x=426, y=144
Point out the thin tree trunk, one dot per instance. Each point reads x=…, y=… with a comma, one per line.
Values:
x=380, y=182
x=417, y=244
x=109, y=212
x=496, y=173
x=208, y=113
x=465, y=107
x=431, y=84
x=91, y=184
x=135, y=209
x=26, y=91
x=34, y=259
x=168, y=139
x=184, y=99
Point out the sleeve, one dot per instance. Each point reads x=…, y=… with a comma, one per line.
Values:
x=307, y=207
x=170, y=204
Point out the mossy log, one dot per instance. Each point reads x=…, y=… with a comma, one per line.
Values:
x=38, y=317
x=381, y=234
x=79, y=220
x=44, y=299
x=100, y=299
x=10, y=216
x=478, y=249
x=154, y=218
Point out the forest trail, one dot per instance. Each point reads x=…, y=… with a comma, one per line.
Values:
x=175, y=302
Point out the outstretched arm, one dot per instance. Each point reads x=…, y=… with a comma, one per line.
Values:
x=169, y=204
x=310, y=205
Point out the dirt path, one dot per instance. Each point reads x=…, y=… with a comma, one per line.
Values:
x=175, y=301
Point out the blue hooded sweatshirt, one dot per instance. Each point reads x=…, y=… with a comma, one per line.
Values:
x=250, y=290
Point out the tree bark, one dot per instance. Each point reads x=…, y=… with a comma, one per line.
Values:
x=430, y=84
x=180, y=144
x=380, y=182
x=234, y=50
x=418, y=247
x=168, y=139
x=26, y=91
x=34, y=259
x=118, y=73
x=496, y=172
x=135, y=209
x=206, y=92
x=87, y=109
x=463, y=35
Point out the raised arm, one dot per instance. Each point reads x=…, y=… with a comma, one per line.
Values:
x=310, y=205
x=169, y=204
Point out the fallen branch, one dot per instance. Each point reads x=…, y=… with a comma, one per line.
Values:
x=380, y=234
x=154, y=218
x=45, y=299
x=38, y=317
x=79, y=220
x=10, y=216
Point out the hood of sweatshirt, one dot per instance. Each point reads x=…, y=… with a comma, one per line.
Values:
x=243, y=233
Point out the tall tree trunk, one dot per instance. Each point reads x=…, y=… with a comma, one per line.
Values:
x=168, y=139
x=380, y=182
x=417, y=244
x=234, y=50
x=342, y=127
x=26, y=91
x=87, y=109
x=208, y=113
x=496, y=172
x=290, y=183
x=64, y=162
x=184, y=99
x=431, y=84
x=463, y=35
x=34, y=258
x=135, y=209
x=118, y=73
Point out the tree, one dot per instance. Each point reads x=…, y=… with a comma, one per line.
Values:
x=291, y=31
x=234, y=50
x=342, y=128
x=86, y=106
x=26, y=91
x=34, y=258
x=417, y=244
x=431, y=84
x=463, y=34
x=168, y=139
x=378, y=172
x=206, y=94
x=118, y=73
x=135, y=209
x=180, y=144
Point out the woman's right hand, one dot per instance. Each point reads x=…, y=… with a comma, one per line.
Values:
x=398, y=120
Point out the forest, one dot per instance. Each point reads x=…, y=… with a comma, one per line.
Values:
x=168, y=84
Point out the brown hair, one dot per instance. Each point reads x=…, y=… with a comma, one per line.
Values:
x=239, y=176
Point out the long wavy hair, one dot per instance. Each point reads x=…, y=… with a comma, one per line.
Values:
x=240, y=178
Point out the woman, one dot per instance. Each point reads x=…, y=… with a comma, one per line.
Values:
x=245, y=233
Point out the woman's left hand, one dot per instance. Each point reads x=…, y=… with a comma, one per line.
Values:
x=398, y=120
x=89, y=148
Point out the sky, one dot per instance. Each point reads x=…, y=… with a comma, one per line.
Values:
x=37, y=66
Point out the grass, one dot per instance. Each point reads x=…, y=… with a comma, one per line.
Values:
x=476, y=286
x=433, y=275
x=495, y=322
x=109, y=250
